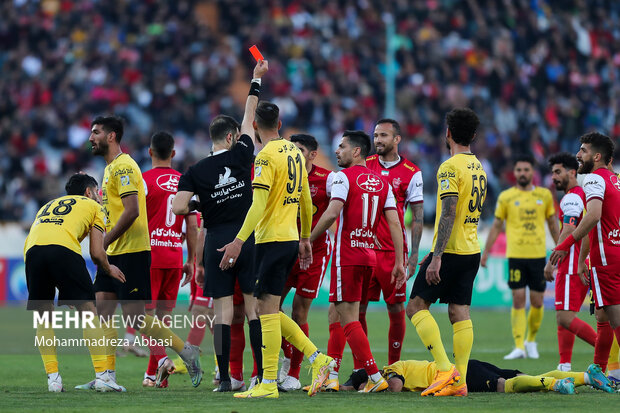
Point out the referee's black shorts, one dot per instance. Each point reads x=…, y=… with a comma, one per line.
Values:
x=137, y=269
x=457, y=275
x=274, y=262
x=53, y=266
x=219, y=283
x=483, y=376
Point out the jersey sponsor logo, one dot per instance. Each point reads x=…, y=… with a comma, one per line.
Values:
x=225, y=178
x=445, y=175
x=124, y=180
x=320, y=174
x=444, y=184
x=168, y=182
x=614, y=181
x=614, y=236
x=290, y=200
x=369, y=183
x=362, y=232
x=261, y=162
x=123, y=171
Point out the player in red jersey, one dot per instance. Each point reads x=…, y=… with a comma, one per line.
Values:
x=569, y=290
x=359, y=196
x=602, y=225
x=166, y=234
x=307, y=282
x=405, y=179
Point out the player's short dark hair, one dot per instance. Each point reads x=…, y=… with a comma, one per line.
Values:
x=359, y=139
x=77, y=184
x=267, y=115
x=307, y=141
x=462, y=123
x=221, y=126
x=110, y=124
x=524, y=157
x=565, y=159
x=162, y=144
x=600, y=143
x=395, y=124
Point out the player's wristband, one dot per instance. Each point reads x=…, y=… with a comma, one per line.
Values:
x=254, y=88
x=566, y=244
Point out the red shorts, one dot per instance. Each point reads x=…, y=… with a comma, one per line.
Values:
x=349, y=283
x=381, y=280
x=308, y=282
x=238, y=295
x=606, y=285
x=164, y=288
x=197, y=297
x=569, y=292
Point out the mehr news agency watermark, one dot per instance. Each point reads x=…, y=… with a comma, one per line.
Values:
x=59, y=320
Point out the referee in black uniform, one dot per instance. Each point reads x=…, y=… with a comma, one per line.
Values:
x=223, y=183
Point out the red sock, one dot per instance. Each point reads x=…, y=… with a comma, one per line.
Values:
x=604, y=339
x=131, y=330
x=396, y=335
x=287, y=348
x=566, y=339
x=336, y=343
x=196, y=333
x=583, y=330
x=237, y=345
x=297, y=356
x=255, y=368
x=358, y=341
x=362, y=317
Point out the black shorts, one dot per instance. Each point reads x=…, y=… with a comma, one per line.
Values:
x=529, y=272
x=220, y=283
x=137, y=269
x=52, y=266
x=457, y=274
x=274, y=262
x=483, y=376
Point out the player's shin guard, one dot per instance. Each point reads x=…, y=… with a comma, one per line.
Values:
x=525, y=384
x=272, y=339
x=566, y=340
x=534, y=319
x=93, y=337
x=604, y=339
x=155, y=329
x=428, y=330
x=237, y=345
x=294, y=335
x=463, y=341
x=396, y=335
x=583, y=330
x=256, y=341
x=517, y=319
x=336, y=343
x=221, y=344
x=47, y=348
x=358, y=341
x=297, y=356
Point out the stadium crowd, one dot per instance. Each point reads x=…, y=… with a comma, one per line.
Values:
x=538, y=73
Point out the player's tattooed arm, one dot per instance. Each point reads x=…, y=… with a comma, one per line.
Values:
x=416, y=234
x=446, y=222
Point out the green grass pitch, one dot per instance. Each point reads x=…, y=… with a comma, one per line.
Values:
x=23, y=385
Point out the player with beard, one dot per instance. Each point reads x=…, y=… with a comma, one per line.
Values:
x=569, y=290
x=524, y=207
x=602, y=225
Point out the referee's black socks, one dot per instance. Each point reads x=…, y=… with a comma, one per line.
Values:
x=221, y=343
x=256, y=341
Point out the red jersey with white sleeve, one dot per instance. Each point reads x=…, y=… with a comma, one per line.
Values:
x=320, y=181
x=572, y=207
x=165, y=228
x=405, y=178
x=605, y=237
x=365, y=196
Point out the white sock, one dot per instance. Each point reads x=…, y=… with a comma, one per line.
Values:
x=376, y=377
x=614, y=373
x=313, y=356
x=53, y=376
x=100, y=374
x=112, y=374
x=267, y=381
x=148, y=376
x=333, y=375
x=130, y=337
x=586, y=378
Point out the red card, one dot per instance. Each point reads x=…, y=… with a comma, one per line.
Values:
x=256, y=53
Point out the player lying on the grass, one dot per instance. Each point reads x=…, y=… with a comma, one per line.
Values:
x=414, y=375
x=53, y=258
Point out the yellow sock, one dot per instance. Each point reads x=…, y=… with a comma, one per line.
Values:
x=517, y=319
x=527, y=384
x=47, y=350
x=294, y=335
x=111, y=334
x=579, y=376
x=428, y=330
x=534, y=319
x=613, y=364
x=98, y=355
x=156, y=329
x=463, y=341
x=272, y=341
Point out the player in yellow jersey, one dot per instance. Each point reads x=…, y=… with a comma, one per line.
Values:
x=525, y=208
x=281, y=189
x=128, y=247
x=53, y=257
x=448, y=272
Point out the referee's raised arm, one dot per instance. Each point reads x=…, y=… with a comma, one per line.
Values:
x=247, y=125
